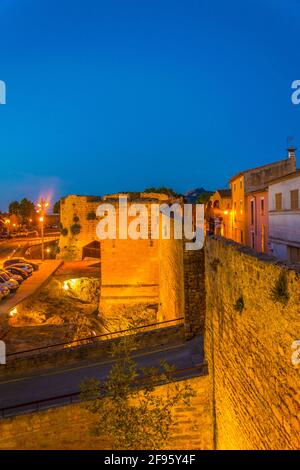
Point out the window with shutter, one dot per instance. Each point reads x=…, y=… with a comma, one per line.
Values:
x=295, y=200
x=278, y=202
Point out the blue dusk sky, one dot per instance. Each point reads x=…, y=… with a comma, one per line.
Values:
x=117, y=95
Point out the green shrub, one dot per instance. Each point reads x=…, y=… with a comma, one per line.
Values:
x=280, y=292
x=91, y=216
x=240, y=304
x=75, y=229
x=75, y=219
x=64, y=231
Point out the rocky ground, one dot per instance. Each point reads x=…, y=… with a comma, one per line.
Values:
x=67, y=310
x=56, y=315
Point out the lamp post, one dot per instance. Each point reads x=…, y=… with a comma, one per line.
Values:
x=41, y=209
x=7, y=222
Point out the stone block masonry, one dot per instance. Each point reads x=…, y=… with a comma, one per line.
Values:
x=255, y=389
x=67, y=427
x=142, y=281
x=194, y=292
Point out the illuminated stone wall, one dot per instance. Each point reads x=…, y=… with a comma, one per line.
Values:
x=142, y=281
x=171, y=279
x=77, y=210
x=67, y=427
x=129, y=283
x=194, y=292
x=254, y=386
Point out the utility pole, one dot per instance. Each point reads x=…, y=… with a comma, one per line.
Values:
x=41, y=209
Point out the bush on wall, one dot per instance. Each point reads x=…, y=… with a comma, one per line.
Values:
x=91, y=216
x=280, y=292
x=239, y=305
x=75, y=229
x=64, y=231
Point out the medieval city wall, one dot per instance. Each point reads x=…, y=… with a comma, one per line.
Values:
x=255, y=389
x=77, y=210
x=171, y=280
x=142, y=281
x=194, y=292
x=68, y=427
x=129, y=283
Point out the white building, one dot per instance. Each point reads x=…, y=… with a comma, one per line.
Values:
x=284, y=217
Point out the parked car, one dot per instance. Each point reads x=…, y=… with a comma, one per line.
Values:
x=26, y=267
x=16, y=277
x=4, y=291
x=18, y=271
x=11, y=261
x=9, y=282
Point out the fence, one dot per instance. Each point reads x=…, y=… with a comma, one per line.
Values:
x=68, y=399
x=95, y=338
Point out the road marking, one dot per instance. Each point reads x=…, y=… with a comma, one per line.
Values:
x=20, y=379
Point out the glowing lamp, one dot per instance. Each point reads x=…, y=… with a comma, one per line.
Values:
x=13, y=312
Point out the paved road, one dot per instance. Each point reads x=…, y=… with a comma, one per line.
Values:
x=67, y=380
x=18, y=246
x=12, y=247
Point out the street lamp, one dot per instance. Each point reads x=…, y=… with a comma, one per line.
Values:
x=41, y=209
x=7, y=222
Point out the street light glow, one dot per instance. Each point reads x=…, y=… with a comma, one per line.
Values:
x=42, y=208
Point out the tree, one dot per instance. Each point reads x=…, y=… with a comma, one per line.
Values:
x=26, y=209
x=14, y=208
x=203, y=198
x=56, y=207
x=163, y=190
x=126, y=406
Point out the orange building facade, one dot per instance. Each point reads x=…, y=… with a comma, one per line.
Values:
x=239, y=213
x=258, y=221
x=249, y=222
x=222, y=212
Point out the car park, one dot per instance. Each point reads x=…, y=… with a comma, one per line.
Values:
x=18, y=271
x=16, y=277
x=4, y=291
x=13, y=261
x=26, y=267
x=8, y=282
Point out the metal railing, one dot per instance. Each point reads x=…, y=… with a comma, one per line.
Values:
x=94, y=338
x=38, y=240
x=69, y=398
